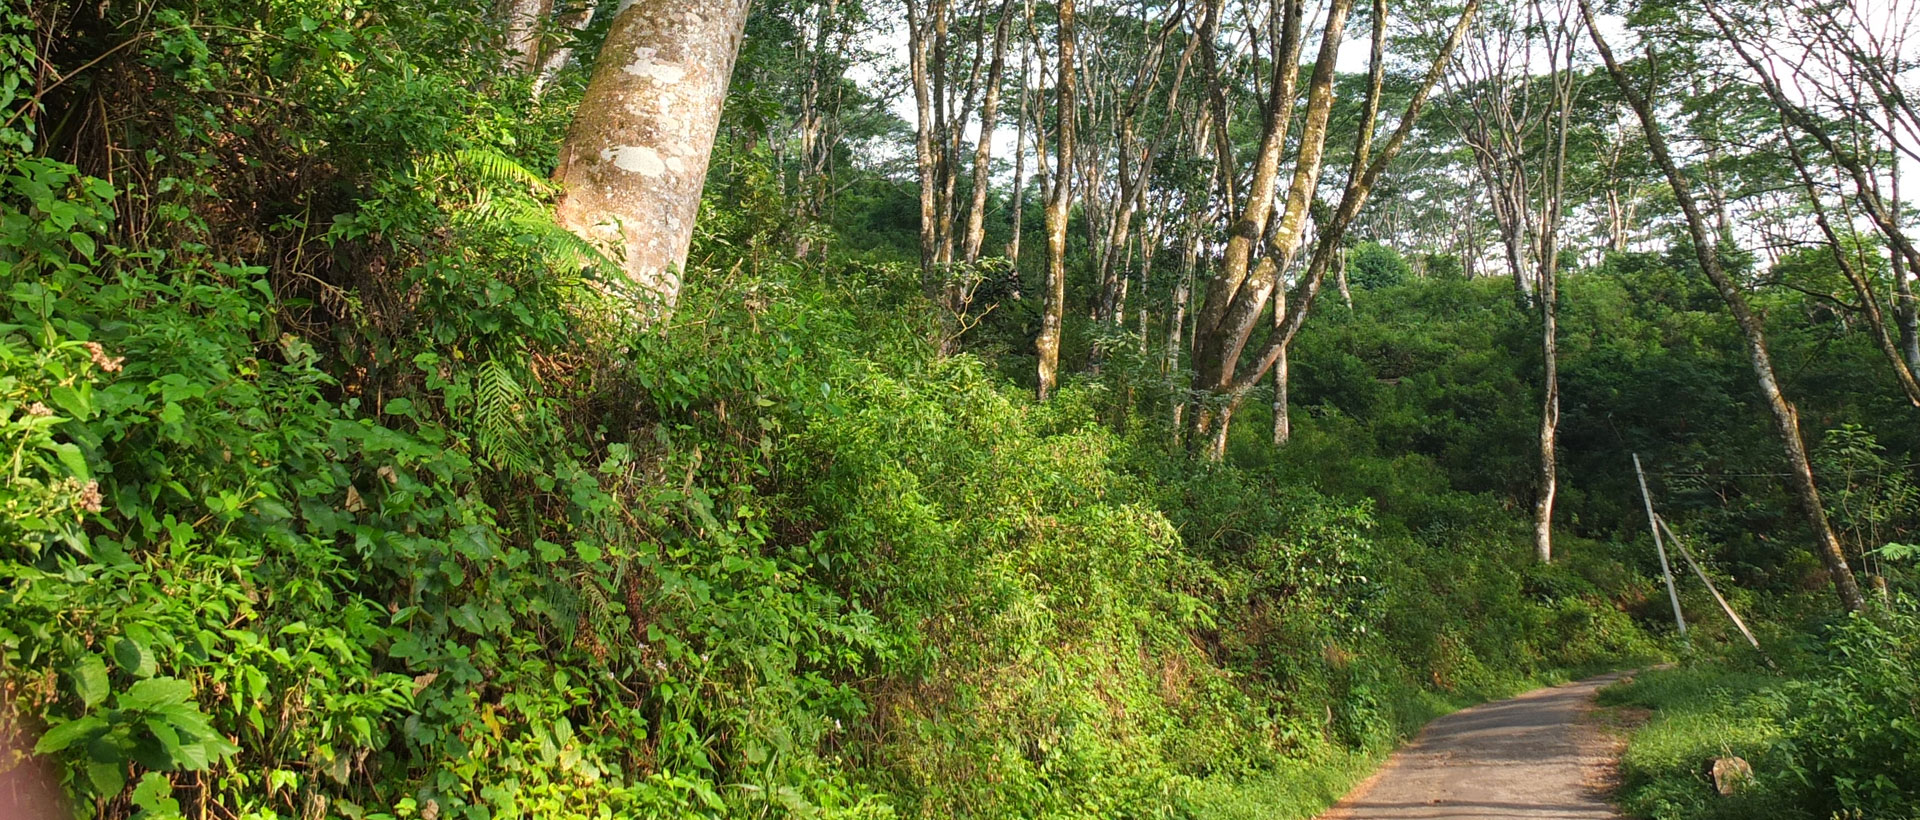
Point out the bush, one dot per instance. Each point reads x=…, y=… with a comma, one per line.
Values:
x=1853, y=729
x=1371, y=266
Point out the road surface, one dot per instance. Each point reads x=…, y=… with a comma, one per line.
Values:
x=1528, y=757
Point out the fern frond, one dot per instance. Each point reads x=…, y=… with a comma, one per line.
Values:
x=499, y=403
x=563, y=248
x=483, y=168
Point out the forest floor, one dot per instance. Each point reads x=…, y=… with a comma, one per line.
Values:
x=1533, y=756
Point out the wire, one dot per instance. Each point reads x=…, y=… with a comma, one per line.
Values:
x=1890, y=470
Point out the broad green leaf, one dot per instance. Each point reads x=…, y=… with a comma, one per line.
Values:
x=72, y=459
x=107, y=778
x=90, y=680
x=66, y=734
x=78, y=402
x=154, y=693
x=134, y=657
x=154, y=795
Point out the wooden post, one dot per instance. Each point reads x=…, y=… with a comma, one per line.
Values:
x=1653, y=523
x=1697, y=570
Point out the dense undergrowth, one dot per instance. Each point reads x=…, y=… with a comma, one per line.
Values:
x=340, y=486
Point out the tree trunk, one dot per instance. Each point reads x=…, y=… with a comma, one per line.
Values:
x=1862, y=286
x=1549, y=474
x=572, y=21
x=1552, y=214
x=1786, y=420
x=1366, y=170
x=1282, y=420
x=1218, y=356
x=524, y=19
x=1053, y=307
x=983, y=151
x=1018, y=206
x=918, y=45
x=1877, y=210
x=635, y=160
x=1218, y=350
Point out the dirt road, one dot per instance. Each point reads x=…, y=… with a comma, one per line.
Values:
x=1528, y=757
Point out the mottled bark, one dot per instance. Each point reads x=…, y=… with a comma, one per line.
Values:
x=1367, y=167
x=1552, y=214
x=1019, y=202
x=983, y=148
x=524, y=19
x=571, y=22
x=1282, y=418
x=1217, y=350
x=926, y=163
x=1785, y=418
x=635, y=159
x=1054, y=295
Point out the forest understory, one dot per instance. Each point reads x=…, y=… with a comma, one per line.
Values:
x=666, y=409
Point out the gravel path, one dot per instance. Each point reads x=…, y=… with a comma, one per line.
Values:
x=1528, y=757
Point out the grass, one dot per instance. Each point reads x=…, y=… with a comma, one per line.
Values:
x=1700, y=713
x=1296, y=790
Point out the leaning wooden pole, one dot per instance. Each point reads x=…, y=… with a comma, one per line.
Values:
x=1653, y=523
x=1698, y=570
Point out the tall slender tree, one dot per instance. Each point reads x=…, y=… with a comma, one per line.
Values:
x=1054, y=293
x=1786, y=419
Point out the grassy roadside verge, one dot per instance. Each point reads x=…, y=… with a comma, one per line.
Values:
x=1833, y=733
x=1699, y=713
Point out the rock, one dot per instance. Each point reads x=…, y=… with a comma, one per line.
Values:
x=1730, y=774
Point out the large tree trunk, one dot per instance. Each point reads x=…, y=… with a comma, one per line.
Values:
x=635, y=159
x=1785, y=419
x=1054, y=296
x=1219, y=343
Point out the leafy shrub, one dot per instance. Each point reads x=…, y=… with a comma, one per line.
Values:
x=1853, y=729
x=1833, y=737
x=1371, y=265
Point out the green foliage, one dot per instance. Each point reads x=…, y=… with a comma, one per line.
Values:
x=1372, y=265
x=1853, y=729
x=1700, y=714
x=342, y=482
x=1834, y=737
